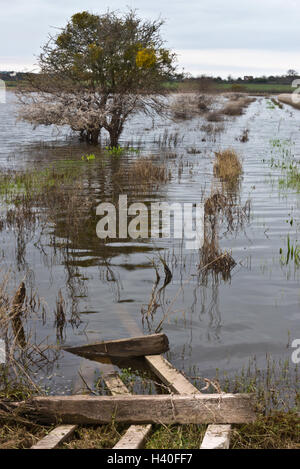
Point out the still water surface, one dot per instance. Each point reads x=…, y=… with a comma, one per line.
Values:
x=211, y=324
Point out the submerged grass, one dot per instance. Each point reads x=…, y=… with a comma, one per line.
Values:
x=227, y=165
x=31, y=183
x=144, y=172
x=236, y=106
x=187, y=106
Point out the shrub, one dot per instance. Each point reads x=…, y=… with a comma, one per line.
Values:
x=227, y=165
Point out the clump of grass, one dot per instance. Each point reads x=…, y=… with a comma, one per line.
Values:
x=292, y=179
x=212, y=129
x=214, y=260
x=144, y=171
x=90, y=157
x=289, y=99
x=119, y=151
x=214, y=116
x=236, y=107
x=187, y=106
x=176, y=437
x=280, y=430
x=286, y=163
x=292, y=254
x=34, y=182
x=227, y=165
x=96, y=437
x=19, y=435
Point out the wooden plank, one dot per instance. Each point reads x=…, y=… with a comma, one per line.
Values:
x=170, y=376
x=141, y=409
x=55, y=437
x=131, y=347
x=216, y=437
x=135, y=436
x=114, y=384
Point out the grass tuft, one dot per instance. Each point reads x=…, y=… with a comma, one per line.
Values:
x=227, y=165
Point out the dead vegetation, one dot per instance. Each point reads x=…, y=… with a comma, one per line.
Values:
x=245, y=136
x=24, y=354
x=236, y=105
x=227, y=165
x=214, y=260
x=214, y=116
x=144, y=172
x=212, y=128
x=290, y=99
x=187, y=106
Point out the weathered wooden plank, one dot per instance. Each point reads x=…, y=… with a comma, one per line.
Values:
x=57, y=436
x=170, y=376
x=134, y=438
x=216, y=437
x=164, y=409
x=114, y=384
x=133, y=347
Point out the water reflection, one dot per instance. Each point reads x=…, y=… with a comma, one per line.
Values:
x=213, y=304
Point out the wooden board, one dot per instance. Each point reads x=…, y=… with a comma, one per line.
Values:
x=135, y=436
x=216, y=437
x=170, y=376
x=114, y=384
x=133, y=347
x=160, y=409
x=55, y=437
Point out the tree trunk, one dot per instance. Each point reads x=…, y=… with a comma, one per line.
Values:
x=114, y=136
x=90, y=136
x=115, y=129
x=93, y=136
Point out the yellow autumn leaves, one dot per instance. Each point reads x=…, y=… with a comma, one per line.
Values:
x=148, y=57
x=145, y=58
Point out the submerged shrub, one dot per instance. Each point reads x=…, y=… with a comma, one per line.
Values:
x=227, y=165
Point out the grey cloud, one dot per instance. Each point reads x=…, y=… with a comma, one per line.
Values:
x=250, y=24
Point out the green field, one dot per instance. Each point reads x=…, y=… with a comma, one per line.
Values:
x=258, y=87
x=240, y=87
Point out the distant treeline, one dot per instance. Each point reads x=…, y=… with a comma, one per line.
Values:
x=12, y=76
x=271, y=79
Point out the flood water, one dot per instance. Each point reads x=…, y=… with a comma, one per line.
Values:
x=211, y=323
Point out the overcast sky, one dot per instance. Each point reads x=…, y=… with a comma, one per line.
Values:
x=218, y=37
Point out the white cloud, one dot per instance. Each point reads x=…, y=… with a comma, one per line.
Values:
x=18, y=64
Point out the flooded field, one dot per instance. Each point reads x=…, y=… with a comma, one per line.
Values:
x=81, y=290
